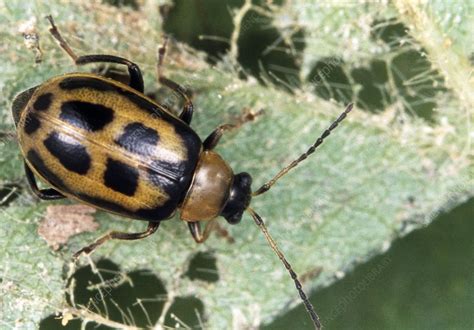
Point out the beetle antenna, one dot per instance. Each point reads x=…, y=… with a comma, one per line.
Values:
x=305, y=155
x=299, y=287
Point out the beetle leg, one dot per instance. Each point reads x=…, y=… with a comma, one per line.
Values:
x=223, y=233
x=152, y=227
x=195, y=229
x=136, y=78
x=186, y=114
x=46, y=194
x=213, y=139
x=64, y=45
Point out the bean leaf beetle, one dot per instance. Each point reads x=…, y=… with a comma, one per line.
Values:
x=106, y=144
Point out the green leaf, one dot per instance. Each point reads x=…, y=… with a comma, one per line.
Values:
x=383, y=173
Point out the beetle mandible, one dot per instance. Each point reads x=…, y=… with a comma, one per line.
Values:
x=106, y=144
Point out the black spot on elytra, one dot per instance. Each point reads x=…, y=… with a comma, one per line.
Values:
x=156, y=214
x=162, y=212
x=190, y=139
x=37, y=162
x=121, y=177
x=106, y=205
x=193, y=145
x=43, y=102
x=89, y=116
x=70, y=152
x=146, y=105
x=167, y=175
x=32, y=123
x=138, y=139
x=175, y=177
x=72, y=83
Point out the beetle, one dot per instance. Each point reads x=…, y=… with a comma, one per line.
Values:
x=104, y=143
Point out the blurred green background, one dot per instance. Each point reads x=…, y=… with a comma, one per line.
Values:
x=424, y=281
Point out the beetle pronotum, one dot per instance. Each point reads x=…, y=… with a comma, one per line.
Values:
x=93, y=139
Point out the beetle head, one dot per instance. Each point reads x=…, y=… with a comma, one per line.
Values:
x=239, y=198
